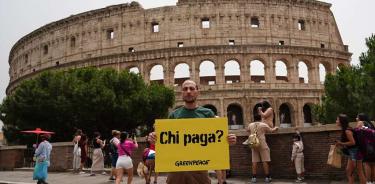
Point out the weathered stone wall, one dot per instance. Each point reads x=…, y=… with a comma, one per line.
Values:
x=105, y=38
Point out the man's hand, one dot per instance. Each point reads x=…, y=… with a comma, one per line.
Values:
x=152, y=137
x=232, y=139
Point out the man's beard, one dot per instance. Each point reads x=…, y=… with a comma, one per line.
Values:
x=189, y=99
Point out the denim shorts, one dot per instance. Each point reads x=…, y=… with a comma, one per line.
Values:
x=354, y=154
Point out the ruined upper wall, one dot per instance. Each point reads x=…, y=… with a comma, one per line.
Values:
x=128, y=27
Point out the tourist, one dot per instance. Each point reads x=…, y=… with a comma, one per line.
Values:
x=266, y=112
x=97, y=155
x=190, y=109
x=113, y=144
x=350, y=149
x=364, y=121
x=260, y=154
x=124, y=161
x=42, y=159
x=298, y=157
x=76, y=151
x=82, y=143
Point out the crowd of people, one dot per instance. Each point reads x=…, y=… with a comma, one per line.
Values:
x=123, y=144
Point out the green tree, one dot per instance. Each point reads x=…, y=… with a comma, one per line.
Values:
x=88, y=98
x=350, y=90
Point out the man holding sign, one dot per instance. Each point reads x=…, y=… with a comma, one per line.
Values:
x=206, y=135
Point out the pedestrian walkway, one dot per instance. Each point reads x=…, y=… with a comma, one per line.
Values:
x=25, y=177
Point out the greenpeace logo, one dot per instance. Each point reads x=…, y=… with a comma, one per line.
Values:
x=191, y=162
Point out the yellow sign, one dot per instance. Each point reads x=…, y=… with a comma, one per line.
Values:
x=191, y=144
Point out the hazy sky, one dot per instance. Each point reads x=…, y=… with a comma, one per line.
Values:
x=20, y=17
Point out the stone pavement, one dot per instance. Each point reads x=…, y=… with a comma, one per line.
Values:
x=25, y=177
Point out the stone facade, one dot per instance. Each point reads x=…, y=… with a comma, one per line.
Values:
x=217, y=32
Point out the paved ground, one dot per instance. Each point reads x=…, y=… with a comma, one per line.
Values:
x=25, y=177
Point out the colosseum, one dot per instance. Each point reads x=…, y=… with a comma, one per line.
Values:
x=239, y=51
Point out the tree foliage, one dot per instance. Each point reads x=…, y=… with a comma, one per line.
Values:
x=88, y=98
x=351, y=89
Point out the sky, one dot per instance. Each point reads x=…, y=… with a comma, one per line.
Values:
x=20, y=17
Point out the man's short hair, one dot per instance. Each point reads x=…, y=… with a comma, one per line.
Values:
x=191, y=81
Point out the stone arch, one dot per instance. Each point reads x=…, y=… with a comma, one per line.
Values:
x=303, y=72
x=235, y=115
x=307, y=113
x=133, y=69
x=255, y=114
x=181, y=73
x=257, y=71
x=212, y=107
x=285, y=115
x=232, y=71
x=281, y=71
x=322, y=73
x=157, y=74
x=207, y=72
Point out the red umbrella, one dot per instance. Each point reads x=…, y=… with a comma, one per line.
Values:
x=37, y=131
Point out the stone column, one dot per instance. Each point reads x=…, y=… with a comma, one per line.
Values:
x=220, y=79
x=245, y=73
x=269, y=70
x=293, y=71
x=194, y=73
x=221, y=113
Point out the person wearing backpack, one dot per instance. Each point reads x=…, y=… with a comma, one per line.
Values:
x=351, y=149
x=260, y=151
x=363, y=122
x=113, y=143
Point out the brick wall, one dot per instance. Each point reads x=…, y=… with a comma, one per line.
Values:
x=11, y=157
x=316, y=152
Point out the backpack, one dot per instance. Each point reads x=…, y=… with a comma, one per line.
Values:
x=112, y=147
x=253, y=138
x=365, y=139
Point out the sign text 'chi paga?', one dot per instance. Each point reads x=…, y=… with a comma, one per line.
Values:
x=191, y=144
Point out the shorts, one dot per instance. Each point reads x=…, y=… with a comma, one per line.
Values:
x=260, y=155
x=354, y=154
x=124, y=162
x=114, y=158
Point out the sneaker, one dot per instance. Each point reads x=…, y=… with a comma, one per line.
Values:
x=246, y=142
x=81, y=172
x=299, y=180
x=104, y=173
x=112, y=178
x=92, y=174
x=268, y=180
x=253, y=180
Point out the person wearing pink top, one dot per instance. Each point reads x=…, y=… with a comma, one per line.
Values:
x=124, y=161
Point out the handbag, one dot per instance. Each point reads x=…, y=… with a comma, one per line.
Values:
x=40, y=170
x=334, y=157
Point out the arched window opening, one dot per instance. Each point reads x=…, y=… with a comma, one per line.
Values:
x=207, y=73
x=281, y=71
x=235, y=116
x=157, y=74
x=213, y=108
x=303, y=73
x=322, y=73
x=285, y=116
x=257, y=71
x=232, y=72
x=134, y=70
x=181, y=73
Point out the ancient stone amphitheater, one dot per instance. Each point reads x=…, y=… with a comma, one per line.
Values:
x=239, y=51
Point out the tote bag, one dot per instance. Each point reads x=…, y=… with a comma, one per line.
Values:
x=334, y=157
